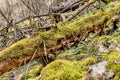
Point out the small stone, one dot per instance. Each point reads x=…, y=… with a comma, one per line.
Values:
x=103, y=49
x=109, y=74
x=117, y=61
x=51, y=56
x=112, y=47
x=118, y=47
x=98, y=70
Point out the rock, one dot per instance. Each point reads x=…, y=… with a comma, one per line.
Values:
x=117, y=61
x=118, y=47
x=103, y=49
x=111, y=47
x=51, y=56
x=109, y=74
x=98, y=69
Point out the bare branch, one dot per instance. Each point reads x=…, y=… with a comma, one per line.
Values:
x=81, y=9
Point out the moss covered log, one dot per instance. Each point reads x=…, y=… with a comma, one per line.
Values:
x=28, y=45
x=81, y=27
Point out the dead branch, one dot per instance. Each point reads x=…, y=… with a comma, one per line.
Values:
x=28, y=6
x=3, y=15
x=65, y=8
x=81, y=9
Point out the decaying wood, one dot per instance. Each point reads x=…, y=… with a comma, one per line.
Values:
x=15, y=62
x=62, y=44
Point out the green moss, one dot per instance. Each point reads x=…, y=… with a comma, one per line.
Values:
x=28, y=45
x=117, y=38
x=62, y=55
x=66, y=70
x=32, y=73
x=3, y=78
x=112, y=56
x=112, y=65
x=61, y=70
x=33, y=79
x=89, y=61
x=25, y=46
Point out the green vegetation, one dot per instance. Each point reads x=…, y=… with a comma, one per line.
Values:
x=28, y=45
x=32, y=73
x=75, y=70
x=113, y=63
x=66, y=70
x=25, y=46
x=77, y=58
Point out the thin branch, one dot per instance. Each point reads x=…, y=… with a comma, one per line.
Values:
x=3, y=15
x=72, y=5
x=81, y=9
x=30, y=62
x=45, y=50
x=28, y=6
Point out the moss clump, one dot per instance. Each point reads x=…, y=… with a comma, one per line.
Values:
x=113, y=63
x=60, y=70
x=66, y=70
x=33, y=78
x=62, y=55
x=32, y=73
x=3, y=78
x=117, y=38
x=25, y=46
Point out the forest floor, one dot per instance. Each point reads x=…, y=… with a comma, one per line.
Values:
x=85, y=49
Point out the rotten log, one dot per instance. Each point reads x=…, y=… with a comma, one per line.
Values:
x=9, y=58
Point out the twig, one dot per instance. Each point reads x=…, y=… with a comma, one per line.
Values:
x=81, y=9
x=77, y=3
x=30, y=62
x=45, y=50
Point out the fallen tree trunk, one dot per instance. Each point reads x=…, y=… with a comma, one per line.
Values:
x=23, y=50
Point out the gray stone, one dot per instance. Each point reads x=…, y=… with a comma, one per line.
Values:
x=103, y=49
x=98, y=69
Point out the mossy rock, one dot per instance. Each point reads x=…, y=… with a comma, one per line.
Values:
x=66, y=70
x=32, y=73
